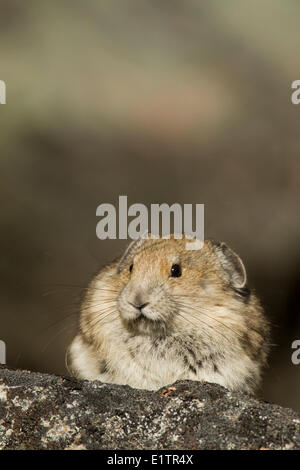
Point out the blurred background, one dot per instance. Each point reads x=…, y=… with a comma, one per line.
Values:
x=172, y=101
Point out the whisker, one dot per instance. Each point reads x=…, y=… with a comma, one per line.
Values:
x=193, y=324
x=66, y=317
x=101, y=312
x=99, y=316
x=196, y=317
x=99, y=320
x=88, y=304
x=82, y=308
x=203, y=311
x=214, y=329
x=91, y=304
x=43, y=350
x=76, y=286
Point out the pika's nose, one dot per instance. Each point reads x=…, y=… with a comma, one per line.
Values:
x=139, y=307
x=138, y=303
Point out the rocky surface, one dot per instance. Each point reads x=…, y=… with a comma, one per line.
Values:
x=40, y=411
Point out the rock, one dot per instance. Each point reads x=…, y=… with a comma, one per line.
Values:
x=41, y=411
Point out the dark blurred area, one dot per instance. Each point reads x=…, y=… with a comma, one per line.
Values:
x=186, y=102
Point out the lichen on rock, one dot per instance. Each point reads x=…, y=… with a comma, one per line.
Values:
x=41, y=411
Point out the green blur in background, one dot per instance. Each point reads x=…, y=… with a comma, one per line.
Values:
x=162, y=101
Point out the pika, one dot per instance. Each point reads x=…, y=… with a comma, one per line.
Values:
x=162, y=313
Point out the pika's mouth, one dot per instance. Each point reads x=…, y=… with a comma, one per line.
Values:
x=143, y=320
x=144, y=324
x=143, y=317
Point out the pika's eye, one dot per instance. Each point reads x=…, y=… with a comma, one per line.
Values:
x=130, y=268
x=175, y=271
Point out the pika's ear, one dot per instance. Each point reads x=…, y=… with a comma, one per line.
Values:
x=129, y=252
x=233, y=267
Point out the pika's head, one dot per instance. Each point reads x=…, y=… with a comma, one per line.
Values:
x=164, y=286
